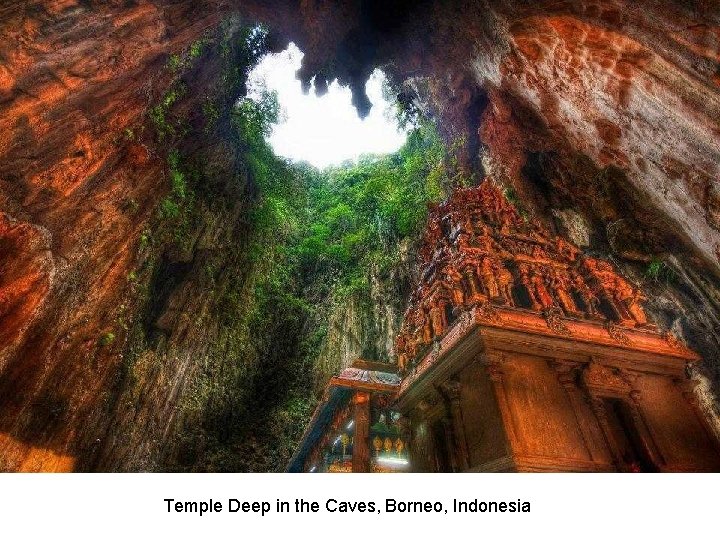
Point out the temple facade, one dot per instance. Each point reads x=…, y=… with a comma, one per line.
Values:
x=519, y=353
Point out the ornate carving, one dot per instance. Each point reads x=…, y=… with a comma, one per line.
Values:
x=606, y=380
x=553, y=318
x=567, y=372
x=486, y=312
x=451, y=390
x=477, y=252
x=616, y=333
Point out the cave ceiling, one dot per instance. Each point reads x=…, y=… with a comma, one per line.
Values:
x=608, y=109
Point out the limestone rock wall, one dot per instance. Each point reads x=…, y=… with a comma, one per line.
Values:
x=365, y=325
x=608, y=109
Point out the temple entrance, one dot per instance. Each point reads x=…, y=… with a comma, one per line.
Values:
x=440, y=444
x=633, y=455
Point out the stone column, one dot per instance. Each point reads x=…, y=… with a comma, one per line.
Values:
x=647, y=435
x=495, y=371
x=450, y=444
x=566, y=374
x=451, y=391
x=598, y=407
x=361, y=440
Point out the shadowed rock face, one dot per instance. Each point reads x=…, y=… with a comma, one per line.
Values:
x=608, y=109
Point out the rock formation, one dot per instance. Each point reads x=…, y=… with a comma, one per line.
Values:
x=603, y=117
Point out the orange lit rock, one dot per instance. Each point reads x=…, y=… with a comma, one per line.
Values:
x=593, y=88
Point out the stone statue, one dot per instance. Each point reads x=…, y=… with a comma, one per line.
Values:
x=629, y=299
x=437, y=317
x=542, y=295
x=455, y=281
x=486, y=273
x=526, y=282
x=587, y=295
x=560, y=286
x=505, y=283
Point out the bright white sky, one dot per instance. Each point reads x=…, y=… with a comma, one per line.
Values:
x=327, y=130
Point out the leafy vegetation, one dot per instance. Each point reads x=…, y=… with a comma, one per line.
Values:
x=288, y=244
x=107, y=339
x=359, y=213
x=658, y=271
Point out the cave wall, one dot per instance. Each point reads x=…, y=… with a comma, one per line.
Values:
x=602, y=117
x=73, y=80
x=605, y=111
x=365, y=324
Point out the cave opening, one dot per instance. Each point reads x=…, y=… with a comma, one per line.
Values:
x=195, y=263
x=319, y=124
x=288, y=232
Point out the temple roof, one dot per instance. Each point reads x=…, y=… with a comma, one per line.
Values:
x=479, y=252
x=362, y=375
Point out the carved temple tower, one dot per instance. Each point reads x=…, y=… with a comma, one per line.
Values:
x=519, y=353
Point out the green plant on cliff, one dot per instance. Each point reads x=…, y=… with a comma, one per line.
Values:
x=282, y=243
x=658, y=271
x=314, y=236
x=359, y=213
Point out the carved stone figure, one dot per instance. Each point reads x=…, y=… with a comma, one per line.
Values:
x=426, y=328
x=455, y=280
x=629, y=300
x=474, y=293
x=437, y=317
x=526, y=282
x=560, y=286
x=589, y=298
x=542, y=295
x=505, y=283
x=635, y=309
x=486, y=273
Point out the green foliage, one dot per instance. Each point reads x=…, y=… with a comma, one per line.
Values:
x=145, y=239
x=174, y=63
x=512, y=197
x=177, y=63
x=313, y=236
x=107, y=339
x=177, y=176
x=159, y=113
x=304, y=240
x=169, y=209
x=196, y=49
x=358, y=214
x=658, y=271
x=211, y=114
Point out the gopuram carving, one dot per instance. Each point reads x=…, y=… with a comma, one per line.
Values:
x=479, y=251
x=517, y=353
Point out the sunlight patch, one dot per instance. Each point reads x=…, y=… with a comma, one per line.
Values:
x=323, y=130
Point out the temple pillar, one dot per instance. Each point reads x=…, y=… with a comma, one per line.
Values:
x=451, y=392
x=495, y=371
x=566, y=374
x=647, y=435
x=598, y=407
x=450, y=444
x=361, y=440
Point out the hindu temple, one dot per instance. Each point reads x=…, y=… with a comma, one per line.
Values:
x=517, y=353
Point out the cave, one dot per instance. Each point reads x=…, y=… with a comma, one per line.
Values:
x=167, y=302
